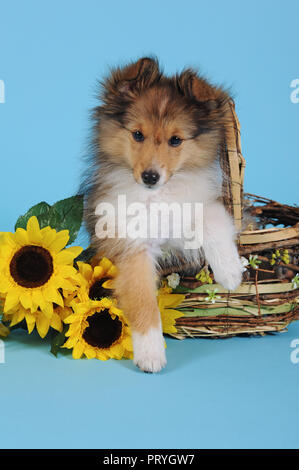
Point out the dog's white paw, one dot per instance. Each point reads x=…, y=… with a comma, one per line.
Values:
x=229, y=275
x=149, y=350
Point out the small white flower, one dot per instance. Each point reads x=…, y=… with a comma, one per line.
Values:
x=173, y=280
x=244, y=262
x=212, y=297
x=254, y=261
x=295, y=281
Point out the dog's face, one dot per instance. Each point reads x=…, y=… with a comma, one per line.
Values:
x=156, y=125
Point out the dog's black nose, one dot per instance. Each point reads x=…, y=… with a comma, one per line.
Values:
x=150, y=177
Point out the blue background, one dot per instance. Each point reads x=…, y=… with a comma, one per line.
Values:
x=214, y=393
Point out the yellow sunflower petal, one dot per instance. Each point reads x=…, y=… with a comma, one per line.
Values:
x=90, y=352
x=37, y=300
x=48, y=235
x=105, y=263
x=109, y=284
x=21, y=236
x=128, y=354
x=98, y=271
x=48, y=310
x=56, y=322
x=168, y=329
x=5, y=285
x=112, y=271
x=17, y=317
x=42, y=324
x=85, y=270
x=116, y=351
x=73, y=318
x=83, y=294
x=65, y=257
x=64, y=284
x=67, y=271
x=33, y=231
x=127, y=342
x=116, y=311
x=82, y=307
x=171, y=300
x=78, y=350
x=9, y=239
x=26, y=299
x=30, y=320
x=60, y=241
x=70, y=343
x=11, y=301
x=168, y=319
x=75, y=250
x=74, y=330
x=170, y=313
x=53, y=295
x=104, y=303
x=101, y=355
x=63, y=312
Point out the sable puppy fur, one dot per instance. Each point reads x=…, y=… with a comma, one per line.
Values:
x=179, y=122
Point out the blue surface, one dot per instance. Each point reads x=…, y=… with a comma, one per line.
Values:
x=235, y=392
x=230, y=393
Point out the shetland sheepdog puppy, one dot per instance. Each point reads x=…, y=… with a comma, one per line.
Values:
x=156, y=140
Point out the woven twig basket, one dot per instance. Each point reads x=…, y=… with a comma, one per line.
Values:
x=268, y=298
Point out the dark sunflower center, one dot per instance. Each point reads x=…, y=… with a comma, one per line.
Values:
x=97, y=291
x=31, y=266
x=102, y=331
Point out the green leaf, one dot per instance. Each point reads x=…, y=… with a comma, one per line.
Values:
x=41, y=211
x=51, y=219
x=67, y=214
x=58, y=340
x=4, y=330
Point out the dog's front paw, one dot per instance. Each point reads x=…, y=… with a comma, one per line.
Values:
x=149, y=350
x=229, y=275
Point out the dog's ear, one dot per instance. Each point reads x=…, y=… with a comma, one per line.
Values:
x=200, y=91
x=139, y=76
x=130, y=80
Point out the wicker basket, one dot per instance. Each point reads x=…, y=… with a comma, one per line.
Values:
x=268, y=298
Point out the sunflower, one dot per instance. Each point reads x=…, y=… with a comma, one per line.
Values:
x=34, y=267
x=166, y=303
x=39, y=319
x=98, y=280
x=98, y=329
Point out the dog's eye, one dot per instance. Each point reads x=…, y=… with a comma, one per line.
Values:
x=175, y=141
x=138, y=136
